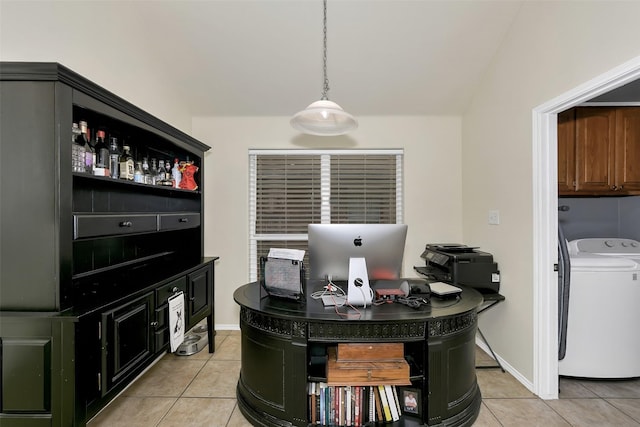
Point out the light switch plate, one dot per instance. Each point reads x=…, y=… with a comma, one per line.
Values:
x=494, y=217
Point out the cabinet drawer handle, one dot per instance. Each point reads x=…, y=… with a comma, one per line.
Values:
x=126, y=224
x=175, y=290
x=192, y=299
x=183, y=220
x=154, y=324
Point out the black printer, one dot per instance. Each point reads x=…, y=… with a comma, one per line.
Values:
x=460, y=265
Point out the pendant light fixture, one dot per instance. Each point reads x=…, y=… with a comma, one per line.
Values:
x=324, y=117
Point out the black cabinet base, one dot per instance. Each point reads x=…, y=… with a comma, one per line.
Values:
x=468, y=415
x=284, y=347
x=257, y=417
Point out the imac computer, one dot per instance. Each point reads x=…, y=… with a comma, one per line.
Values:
x=356, y=253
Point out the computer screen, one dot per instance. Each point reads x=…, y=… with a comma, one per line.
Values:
x=332, y=245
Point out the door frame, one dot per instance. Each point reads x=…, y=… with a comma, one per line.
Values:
x=545, y=220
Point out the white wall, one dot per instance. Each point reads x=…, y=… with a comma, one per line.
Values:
x=107, y=44
x=432, y=184
x=102, y=42
x=551, y=48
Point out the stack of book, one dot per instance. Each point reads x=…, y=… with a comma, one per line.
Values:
x=360, y=386
x=352, y=405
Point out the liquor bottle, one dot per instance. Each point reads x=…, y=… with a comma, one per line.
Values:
x=153, y=171
x=138, y=175
x=77, y=149
x=89, y=153
x=102, y=154
x=160, y=177
x=127, y=168
x=114, y=157
x=167, y=170
x=145, y=171
x=176, y=174
x=167, y=181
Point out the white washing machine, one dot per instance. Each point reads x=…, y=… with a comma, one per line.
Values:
x=603, y=340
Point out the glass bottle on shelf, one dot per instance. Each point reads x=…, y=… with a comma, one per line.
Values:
x=145, y=171
x=138, y=174
x=77, y=149
x=176, y=174
x=102, y=154
x=160, y=175
x=167, y=171
x=114, y=157
x=89, y=153
x=153, y=171
x=127, y=167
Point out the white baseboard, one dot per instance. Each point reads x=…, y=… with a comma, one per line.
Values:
x=228, y=327
x=507, y=367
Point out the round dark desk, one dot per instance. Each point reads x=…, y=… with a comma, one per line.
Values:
x=281, y=340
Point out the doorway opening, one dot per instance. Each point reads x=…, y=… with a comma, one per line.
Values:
x=545, y=219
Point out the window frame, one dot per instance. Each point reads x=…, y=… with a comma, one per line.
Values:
x=325, y=160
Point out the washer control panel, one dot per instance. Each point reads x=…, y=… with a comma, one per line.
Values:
x=605, y=246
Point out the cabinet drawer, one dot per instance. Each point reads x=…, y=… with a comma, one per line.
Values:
x=167, y=290
x=112, y=225
x=178, y=221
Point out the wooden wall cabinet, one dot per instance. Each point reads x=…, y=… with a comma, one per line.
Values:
x=627, y=171
x=87, y=263
x=599, y=151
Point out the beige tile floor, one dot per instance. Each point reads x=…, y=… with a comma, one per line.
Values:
x=199, y=390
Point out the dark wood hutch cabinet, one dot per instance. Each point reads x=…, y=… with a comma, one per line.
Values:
x=87, y=263
x=599, y=151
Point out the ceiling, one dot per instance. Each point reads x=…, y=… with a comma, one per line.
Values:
x=264, y=57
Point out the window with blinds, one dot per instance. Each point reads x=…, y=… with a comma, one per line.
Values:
x=290, y=189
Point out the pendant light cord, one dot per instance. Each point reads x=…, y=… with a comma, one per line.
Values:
x=325, y=90
x=323, y=117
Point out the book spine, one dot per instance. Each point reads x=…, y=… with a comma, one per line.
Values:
x=341, y=414
x=379, y=414
x=318, y=403
x=392, y=403
x=372, y=405
x=396, y=399
x=358, y=411
x=312, y=402
x=385, y=405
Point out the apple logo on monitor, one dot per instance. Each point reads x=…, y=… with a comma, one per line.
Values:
x=357, y=241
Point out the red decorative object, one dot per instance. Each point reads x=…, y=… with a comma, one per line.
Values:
x=188, y=181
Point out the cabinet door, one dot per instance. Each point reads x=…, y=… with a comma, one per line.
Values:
x=37, y=370
x=595, y=148
x=452, y=391
x=628, y=149
x=161, y=324
x=566, y=151
x=127, y=340
x=200, y=294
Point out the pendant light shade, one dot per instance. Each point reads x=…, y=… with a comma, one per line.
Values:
x=324, y=117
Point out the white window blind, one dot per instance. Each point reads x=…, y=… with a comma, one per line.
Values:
x=290, y=189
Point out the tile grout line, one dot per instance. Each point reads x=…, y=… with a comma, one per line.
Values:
x=180, y=396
